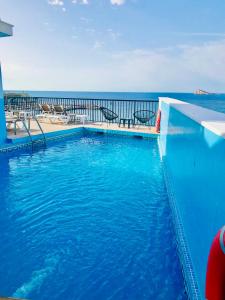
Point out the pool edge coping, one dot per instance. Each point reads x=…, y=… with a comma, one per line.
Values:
x=210, y=119
x=24, y=142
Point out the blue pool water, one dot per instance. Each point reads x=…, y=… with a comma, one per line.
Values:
x=87, y=218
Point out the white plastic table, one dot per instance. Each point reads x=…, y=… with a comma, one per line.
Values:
x=81, y=118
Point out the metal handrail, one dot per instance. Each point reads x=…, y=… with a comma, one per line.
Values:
x=28, y=131
x=25, y=126
x=39, y=125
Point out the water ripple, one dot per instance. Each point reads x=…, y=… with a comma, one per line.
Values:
x=88, y=219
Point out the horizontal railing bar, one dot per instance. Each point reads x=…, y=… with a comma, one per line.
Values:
x=88, y=99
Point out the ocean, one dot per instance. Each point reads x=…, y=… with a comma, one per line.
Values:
x=214, y=101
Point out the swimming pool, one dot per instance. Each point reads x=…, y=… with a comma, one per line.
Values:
x=87, y=218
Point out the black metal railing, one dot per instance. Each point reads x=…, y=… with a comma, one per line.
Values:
x=90, y=107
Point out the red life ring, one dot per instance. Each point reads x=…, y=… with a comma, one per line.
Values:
x=215, y=277
x=158, y=121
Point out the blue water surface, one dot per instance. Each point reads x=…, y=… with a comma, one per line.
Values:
x=87, y=218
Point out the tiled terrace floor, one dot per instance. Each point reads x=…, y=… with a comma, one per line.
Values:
x=54, y=127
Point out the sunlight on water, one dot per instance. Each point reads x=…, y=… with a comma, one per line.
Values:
x=38, y=277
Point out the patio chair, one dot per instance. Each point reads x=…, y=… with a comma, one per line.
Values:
x=15, y=120
x=144, y=116
x=11, y=120
x=108, y=114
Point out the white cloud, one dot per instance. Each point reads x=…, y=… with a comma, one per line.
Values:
x=178, y=68
x=114, y=35
x=80, y=1
x=117, y=2
x=90, y=31
x=98, y=45
x=85, y=20
x=202, y=34
x=182, y=68
x=56, y=2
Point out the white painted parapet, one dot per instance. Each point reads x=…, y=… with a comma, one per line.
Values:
x=212, y=120
x=6, y=29
x=192, y=147
x=2, y=113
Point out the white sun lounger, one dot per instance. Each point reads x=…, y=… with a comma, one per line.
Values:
x=48, y=113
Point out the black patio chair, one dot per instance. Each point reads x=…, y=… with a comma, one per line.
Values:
x=144, y=116
x=108, y=114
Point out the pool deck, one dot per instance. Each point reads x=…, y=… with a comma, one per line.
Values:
x=54, y=127
x=60, y=129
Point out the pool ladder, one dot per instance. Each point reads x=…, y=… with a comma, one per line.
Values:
x=33, y=141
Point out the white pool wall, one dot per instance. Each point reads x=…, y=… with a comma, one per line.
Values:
x=2, y=113
x=192, y=147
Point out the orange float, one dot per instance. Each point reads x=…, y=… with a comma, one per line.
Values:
x=158, y=121
x=215, y=277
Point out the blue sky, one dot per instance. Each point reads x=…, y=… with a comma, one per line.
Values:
x=114, y=45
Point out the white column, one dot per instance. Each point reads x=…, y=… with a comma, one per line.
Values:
x=2, y=113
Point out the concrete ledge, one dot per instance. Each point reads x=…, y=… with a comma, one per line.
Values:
x=124, y=132
x=25, y=139
x=212, y=120
x=48, y=135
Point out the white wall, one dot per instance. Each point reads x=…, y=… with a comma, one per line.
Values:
x=192, y=144
x=2, y=113
x=5, y=29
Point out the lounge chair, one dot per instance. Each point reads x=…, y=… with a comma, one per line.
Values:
x=64, y=113
x=45, y=108
x=49, y=113
x=58, y=109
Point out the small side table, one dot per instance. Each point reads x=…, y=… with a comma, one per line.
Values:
x=81, y=118
x=127, y=121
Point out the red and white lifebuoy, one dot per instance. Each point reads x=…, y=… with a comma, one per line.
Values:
x=215, y=277
x=158, y=121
